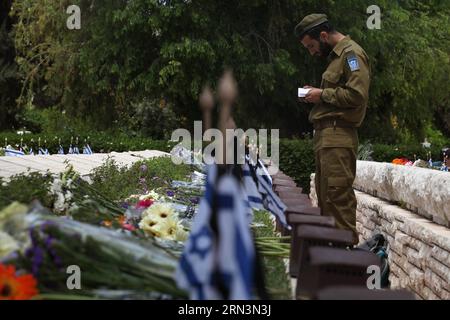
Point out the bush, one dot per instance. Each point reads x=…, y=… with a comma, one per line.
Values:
x=387, y=153
x=150, y=118
x=297, y=160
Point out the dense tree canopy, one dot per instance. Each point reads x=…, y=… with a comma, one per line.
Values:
x=130, y=51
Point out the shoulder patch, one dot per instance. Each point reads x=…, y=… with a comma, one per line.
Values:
x=352, y=62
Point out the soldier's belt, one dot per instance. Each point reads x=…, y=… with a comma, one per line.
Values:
x=332, y=123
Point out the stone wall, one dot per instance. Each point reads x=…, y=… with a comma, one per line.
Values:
x=419, y=249
x=423, y=191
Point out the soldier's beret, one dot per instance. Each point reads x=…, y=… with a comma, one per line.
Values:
x=308, y=23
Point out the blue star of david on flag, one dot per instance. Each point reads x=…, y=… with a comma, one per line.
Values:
x=219, y=265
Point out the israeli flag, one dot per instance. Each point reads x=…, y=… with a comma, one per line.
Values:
x=61, y=149
x=87, y=149
x=13, y=153
x=76, y=150
x=43, y=151
x=219, y=263
x=31, y=152
x=262, y=171
x=270, y=200
x=70, y=150
x=251, y=189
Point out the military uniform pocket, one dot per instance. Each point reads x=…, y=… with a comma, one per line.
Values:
x=338, y=182
x=338, y=190
x=331, y=79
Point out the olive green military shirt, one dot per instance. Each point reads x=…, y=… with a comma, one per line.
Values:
x=345, y=85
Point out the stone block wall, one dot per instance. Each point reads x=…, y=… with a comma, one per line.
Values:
x=419, y=249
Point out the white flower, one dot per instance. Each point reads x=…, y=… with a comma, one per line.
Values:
x=60, y=205
x=159, y=211
x=56, y=187
x=132, y=197
x=181, y=234
x=7, y=244
x=150, y=195
x=155, y=227
x=161, y=220
x=12, y=210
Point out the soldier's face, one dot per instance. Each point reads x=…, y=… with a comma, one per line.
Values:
x=316, y=48
x=311, y=45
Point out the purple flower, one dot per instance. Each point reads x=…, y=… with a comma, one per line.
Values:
x=170, y=193
x=124, y=205
x=48, y=244
x=194, y=200
x=143, y=168
x=38, y=258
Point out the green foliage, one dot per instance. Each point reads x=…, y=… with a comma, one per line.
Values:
x=52, y=121
x=150, y=118
x=118, y=183
x=274, y=269
x=9, y=78
x=110, y=182
x=297, y=161
x=387, y=153
x=25, y=188
x=129, y=51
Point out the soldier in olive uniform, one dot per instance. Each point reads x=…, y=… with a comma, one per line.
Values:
x=339, y=109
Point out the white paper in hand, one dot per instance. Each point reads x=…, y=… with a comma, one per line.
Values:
x=302, y=92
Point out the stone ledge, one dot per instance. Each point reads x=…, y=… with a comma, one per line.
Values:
x=424, y=191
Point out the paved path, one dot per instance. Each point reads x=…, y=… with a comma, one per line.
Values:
x=82, y=163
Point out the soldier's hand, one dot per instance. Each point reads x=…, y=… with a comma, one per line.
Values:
x=302, y=99
x=313, y=96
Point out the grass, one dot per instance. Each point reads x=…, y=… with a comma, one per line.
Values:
x=274, y=270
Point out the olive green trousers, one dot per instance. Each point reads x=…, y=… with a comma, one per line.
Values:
x=335, y=158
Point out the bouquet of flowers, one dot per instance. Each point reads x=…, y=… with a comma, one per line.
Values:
x=109, y=260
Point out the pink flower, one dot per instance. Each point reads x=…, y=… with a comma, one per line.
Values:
x=144, y=203
x=128, y=227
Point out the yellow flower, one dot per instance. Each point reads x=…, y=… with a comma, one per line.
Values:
x=152, y=226
x=165, y=228
x=7, y=244
x=181, y=234
x=159, y=211
x=151, y=195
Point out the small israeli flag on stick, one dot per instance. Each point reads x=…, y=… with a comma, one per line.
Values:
x=9, y=151
x=219, y=257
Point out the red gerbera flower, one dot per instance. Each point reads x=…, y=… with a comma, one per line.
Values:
x=144, y=203
x=13, y=287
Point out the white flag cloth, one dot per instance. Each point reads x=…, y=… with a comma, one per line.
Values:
x=262, y=171
x=219, y=263
x=254, y=197
x=87, y=149
x=270, y=200
x=43, y=151
x=13, y=153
